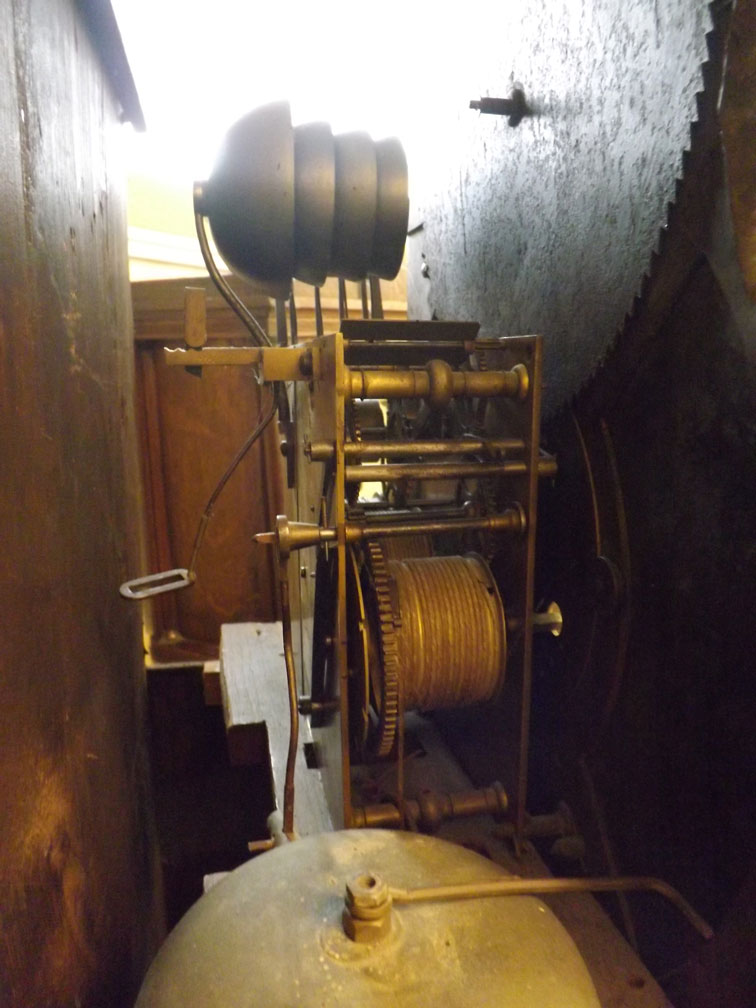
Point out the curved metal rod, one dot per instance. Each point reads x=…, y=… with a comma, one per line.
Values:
x=291, y=682
x=588, y=657
x=533, y=886
x=606, y=845
x=259, y=335
x=623, y=634
x=254, y=435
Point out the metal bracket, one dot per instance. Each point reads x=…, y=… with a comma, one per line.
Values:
x=156, y=584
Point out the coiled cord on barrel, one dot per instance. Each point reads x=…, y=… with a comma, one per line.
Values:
x=452, y=634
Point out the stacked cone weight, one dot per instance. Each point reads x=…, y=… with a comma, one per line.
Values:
x=287, y=202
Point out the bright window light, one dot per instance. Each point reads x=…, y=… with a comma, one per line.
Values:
x=200, y=66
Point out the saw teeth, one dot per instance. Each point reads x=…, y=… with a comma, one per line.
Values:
x=703, y=132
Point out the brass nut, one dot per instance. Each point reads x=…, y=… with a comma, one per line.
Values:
x=366, y=916
x=366, y=891
x=366, y=931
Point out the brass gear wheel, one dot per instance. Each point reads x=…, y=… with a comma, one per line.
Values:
x=386, y=680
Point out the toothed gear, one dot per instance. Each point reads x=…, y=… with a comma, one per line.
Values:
x=388, y=715
x=352, y=420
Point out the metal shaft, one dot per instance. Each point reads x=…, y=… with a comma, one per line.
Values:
x=289, y=536
x=432, y=808
x=545, y=886
x=442, y=470
x=437, y=382
x=493, y=447
x=511, y=520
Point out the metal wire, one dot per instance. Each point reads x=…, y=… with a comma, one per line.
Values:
x=207, y=513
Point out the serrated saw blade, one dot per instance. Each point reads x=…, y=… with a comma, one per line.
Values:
x=548, y=226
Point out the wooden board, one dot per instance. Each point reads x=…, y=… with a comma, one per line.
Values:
x=191, y=428
x=253, y=685
x=79, y=890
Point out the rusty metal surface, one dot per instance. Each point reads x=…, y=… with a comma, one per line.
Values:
x=548, y=227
